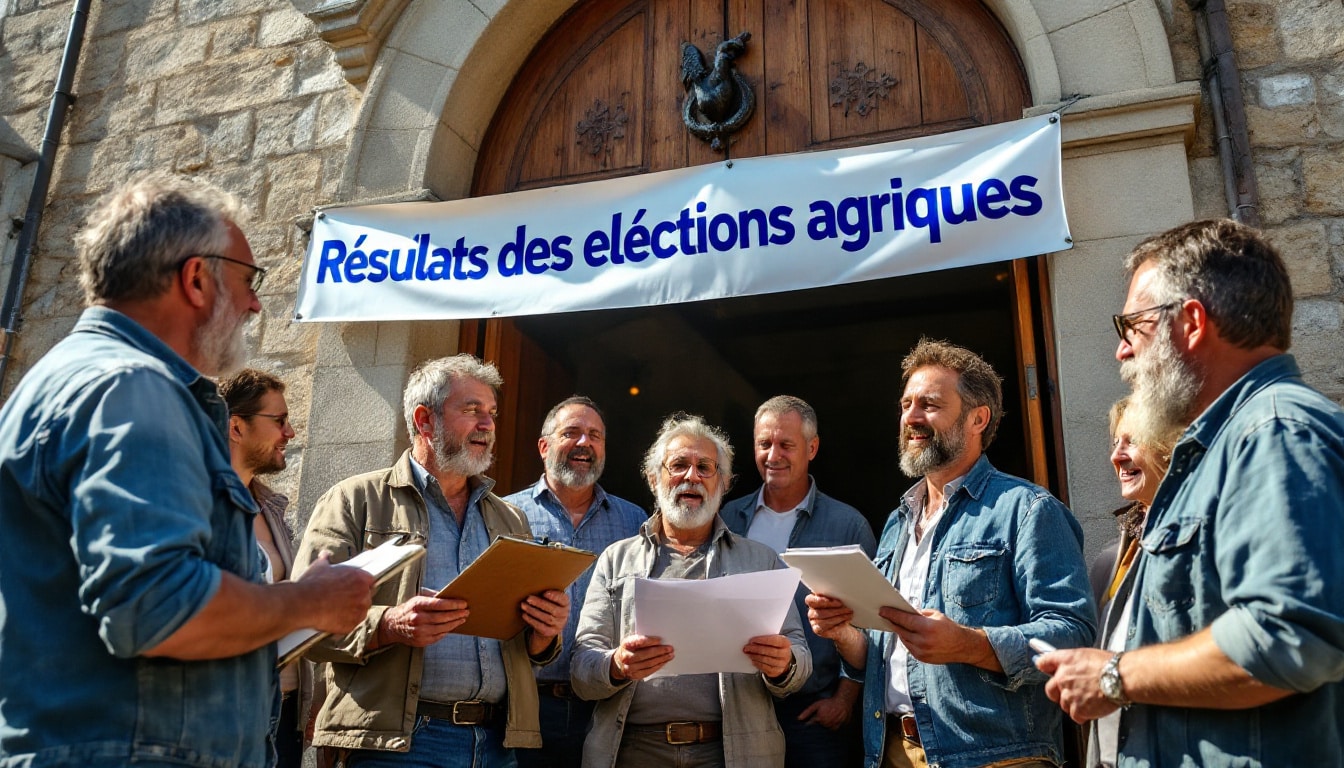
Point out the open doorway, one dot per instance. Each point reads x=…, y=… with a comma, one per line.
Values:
x=838, y=347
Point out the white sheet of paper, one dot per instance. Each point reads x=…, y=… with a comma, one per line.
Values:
x=846, y=574
x=708, y=621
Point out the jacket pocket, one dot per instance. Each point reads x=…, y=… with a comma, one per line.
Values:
x=1172, y=574
x=974, y=573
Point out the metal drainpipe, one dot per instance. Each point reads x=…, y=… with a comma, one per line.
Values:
x=1229, y=110
x=61, y=100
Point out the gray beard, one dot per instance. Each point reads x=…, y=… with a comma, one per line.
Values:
x=219, y=342
x=558, y=469
x=942, y=450
x=681, y=515
x=455, y=458
x=1165, y=388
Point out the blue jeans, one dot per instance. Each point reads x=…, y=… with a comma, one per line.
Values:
x=564, y=724
x=440, y=744
x=808, y=745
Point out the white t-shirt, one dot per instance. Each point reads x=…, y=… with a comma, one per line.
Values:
x=773, y=528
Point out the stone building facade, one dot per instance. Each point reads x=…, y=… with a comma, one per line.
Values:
x=296, y=104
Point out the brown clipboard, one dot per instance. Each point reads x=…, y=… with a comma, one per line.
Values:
x=509, y=570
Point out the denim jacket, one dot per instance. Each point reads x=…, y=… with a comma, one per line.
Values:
x=752, y=737
x=1008, y=558
x=822, y=522
x=1245, y=536
x=120, y=511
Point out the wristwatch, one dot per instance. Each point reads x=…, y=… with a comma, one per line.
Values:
x=1112, y=686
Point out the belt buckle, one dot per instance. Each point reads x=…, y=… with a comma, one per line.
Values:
x=673, y=728
x=909, y=729
x=470, y=712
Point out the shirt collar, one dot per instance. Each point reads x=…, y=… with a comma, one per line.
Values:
x=479, y=485
x=804, y=507
x=1277, y=368
x=651, y=529
x=541, y=489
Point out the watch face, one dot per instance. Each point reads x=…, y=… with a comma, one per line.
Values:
x=1110, y=685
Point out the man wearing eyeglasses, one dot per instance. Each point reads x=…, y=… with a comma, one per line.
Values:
x=134, y=624
x=696, y=721
x=568, y=506
x=1235, y=651
x=259, y=430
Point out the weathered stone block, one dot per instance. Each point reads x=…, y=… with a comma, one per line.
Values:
x=232, y=36
x=1323, y=176
x=116, y=16
x=1306, y=252
x=1281, y=127
x=284, y=26
x=161, y=49
x=281, y=335
x=116, y=110
x=1255, y=34
x=335, y=117
x=35, y=31
x=286, y=127
x=291, y=184
x=1287, y=90
x=102, y=64
x=1276, y=175
x=317, y=70
x=1311, y=29
x=225, y=85
x=231, y=137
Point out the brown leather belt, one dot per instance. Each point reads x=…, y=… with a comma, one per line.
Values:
x=472, y=712
x=556, y=690
x=683, y=732
x=905, y=725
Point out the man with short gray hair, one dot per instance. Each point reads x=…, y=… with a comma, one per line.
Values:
x=404, y=689
x=1233, y=634
x=568, y=506
x=133, y=625
x=700, y=720
x=789, y=511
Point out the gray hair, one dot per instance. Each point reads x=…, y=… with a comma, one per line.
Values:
x=139, y=232
x=1232, y=270
x=782, y=404
x=686, y=425
x=553, y=415
x=977, y=383
x=431, y=383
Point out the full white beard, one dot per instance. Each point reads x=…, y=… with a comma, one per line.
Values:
x=1165, y=388
x=681, y=515
x=219, y=343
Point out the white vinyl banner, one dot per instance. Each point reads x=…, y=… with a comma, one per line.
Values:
x=759, y=225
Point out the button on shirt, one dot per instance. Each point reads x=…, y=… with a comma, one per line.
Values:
x=457, y=667
x=914, y=574
x=608, y=520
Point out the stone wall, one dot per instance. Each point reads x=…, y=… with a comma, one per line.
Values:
x=240, y=92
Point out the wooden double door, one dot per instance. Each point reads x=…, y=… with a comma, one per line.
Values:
x=601, y=97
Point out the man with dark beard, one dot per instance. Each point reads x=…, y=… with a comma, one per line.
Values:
x=568, y=506
x=134, y=627
x=259, y=430
x=1236, y=629
x=403, y=689
x=990, y=561
x=694, y=721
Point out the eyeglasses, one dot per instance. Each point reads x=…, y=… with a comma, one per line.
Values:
x=258, y=273
x=573, y=435
x=704, y=467
x=1127, y=323
x=281, y=419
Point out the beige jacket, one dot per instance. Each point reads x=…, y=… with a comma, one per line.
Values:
x=371, y=696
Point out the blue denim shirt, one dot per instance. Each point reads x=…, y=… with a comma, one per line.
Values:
x=120, y=510
x=822, y=522
x=1008, y=558
x=1246, y=535
x=608, y=520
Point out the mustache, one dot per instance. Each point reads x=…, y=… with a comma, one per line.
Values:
x=916, y=430
x=690, y=487
x=581, y=453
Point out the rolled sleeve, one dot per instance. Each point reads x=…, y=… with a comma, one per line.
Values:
x=141, y=511
x=1284, y=622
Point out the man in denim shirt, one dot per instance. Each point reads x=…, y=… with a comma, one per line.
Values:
x=133, y=628
x=568, y=506
x=991, y=561
x=1236, y=636
x=789, y=511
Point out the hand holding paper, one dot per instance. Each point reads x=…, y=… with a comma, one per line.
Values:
x=638, y=657
x=423, y=620
x=545, y=612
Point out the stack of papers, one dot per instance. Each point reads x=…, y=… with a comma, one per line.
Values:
x=846, y=574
